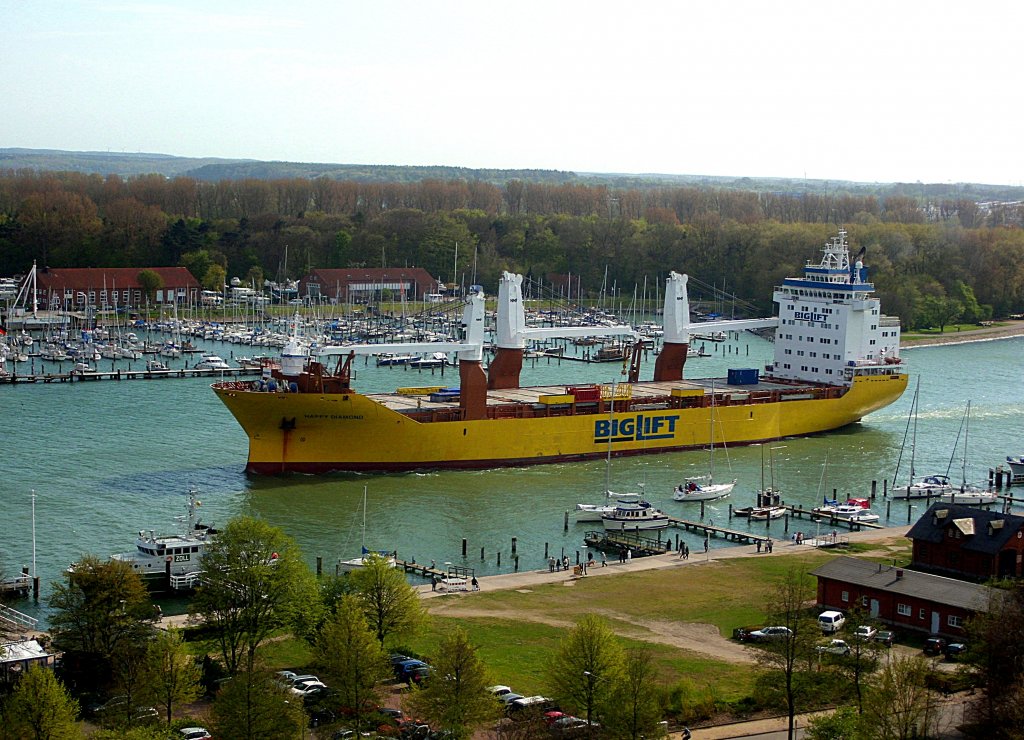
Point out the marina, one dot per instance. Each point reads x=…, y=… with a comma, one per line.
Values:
x=102, y=473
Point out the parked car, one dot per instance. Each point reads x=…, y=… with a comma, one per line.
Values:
x=865, y=632
x=510, y=697
x=771, y=633
x=195, y=733
x=405, y=668
x=831, y=621
x=935, y=645
x=302, y=688
x=836, y=647
x=499, y=690
x=954, y=650
x=886, y=637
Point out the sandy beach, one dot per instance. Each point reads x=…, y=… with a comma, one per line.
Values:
x=1004, y=330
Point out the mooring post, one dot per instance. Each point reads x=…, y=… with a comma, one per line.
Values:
x=565, y=524
x=874, y=489
x=499, y=558
x=319, y=565
x=888, y=509
x=463, y=548
x=546, y=555
x=514, y=545
x=481, y=553
x=517, y=563
x=702, y=511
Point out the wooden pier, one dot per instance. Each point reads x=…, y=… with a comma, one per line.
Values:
x=709, y=529
x=830, y=520
x=78, y=377
x=638, y=544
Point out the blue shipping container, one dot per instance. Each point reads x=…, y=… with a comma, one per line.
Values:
x=743, y=376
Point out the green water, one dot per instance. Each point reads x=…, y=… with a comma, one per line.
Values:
x=107, y=459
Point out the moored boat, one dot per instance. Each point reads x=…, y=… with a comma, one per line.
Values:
x=311, y=419
x=172, y=562
x=634, y=515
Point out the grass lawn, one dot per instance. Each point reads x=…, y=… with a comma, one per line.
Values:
x=949, y=329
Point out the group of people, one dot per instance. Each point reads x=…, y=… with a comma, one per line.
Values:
x=558, y=564
x=767, y=545
x=683, y=550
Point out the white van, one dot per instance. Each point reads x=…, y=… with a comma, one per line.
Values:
x=831, y=621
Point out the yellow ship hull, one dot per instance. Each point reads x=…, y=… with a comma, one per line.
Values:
x=314, y=433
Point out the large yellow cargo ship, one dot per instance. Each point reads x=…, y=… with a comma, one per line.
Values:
x=836, y=360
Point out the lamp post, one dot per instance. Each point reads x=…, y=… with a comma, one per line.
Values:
x=590, y=699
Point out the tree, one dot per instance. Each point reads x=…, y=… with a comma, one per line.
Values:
x=456, y=697
x=898, y=705
x=351, y=657
x=101, y=609
x=251, y=706
x=634, y=711
x=392, y=607
x=842, y=724
x=214, y=278
x=171, y=675
x=863, y=657
x=40, y=708
x=584, y=674
x=254, y=583
x=786, y=601
x=150, y=282
x=996, y=639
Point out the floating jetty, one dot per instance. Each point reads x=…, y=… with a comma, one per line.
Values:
x=78, y=377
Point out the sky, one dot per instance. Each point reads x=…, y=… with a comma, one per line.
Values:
x=894, y=91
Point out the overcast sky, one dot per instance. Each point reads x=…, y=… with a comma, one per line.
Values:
x=899, y=90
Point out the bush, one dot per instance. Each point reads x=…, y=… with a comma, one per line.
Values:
x=689, y=703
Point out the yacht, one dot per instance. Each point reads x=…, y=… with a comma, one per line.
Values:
x=633, y=516
x=212, y=362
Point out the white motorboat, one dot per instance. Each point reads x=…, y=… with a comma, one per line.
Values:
x=172, y=562
x=854, y=513
x=633, y=516
x=155, y=366
x=1016, y=463
x=212, y=362
x=594, y=512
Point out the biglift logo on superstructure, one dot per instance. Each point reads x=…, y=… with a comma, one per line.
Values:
x=638, y=428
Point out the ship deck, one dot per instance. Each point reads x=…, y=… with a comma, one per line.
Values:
x=642, y=392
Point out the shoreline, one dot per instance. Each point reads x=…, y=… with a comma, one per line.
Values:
x=1007, y=330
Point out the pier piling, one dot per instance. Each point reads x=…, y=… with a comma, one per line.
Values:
x=319, y=566
x=514, y=545
x=463, y=548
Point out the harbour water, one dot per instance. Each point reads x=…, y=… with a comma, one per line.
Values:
x=108, y=459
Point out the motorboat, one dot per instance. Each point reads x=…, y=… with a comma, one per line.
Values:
x=437, y=359
x=854, y=513
x=1016, y=463
x=392, y=358
x=634, y=516
x=156, y=366
x=172, y=562
x=212, y=362
x=594, y=512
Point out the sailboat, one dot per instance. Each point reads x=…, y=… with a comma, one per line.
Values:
x=346, y=566
x=703, y=487
x=769, y=500
x=928, y=486
x=594, y=512
x=970, y=495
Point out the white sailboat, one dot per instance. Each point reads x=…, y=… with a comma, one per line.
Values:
x=346, y=566
x=703, y=487
x=967, y=494
x=594, y=512
x=928, y=486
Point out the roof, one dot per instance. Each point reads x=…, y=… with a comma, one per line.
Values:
x=13, y=652
x=905, y=582
x=110, y=278
x=981, y=531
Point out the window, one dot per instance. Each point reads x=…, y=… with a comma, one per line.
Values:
x=920, y=613
x=903, y=609
x=846, y=596
x=954, y=621
x=864, y=601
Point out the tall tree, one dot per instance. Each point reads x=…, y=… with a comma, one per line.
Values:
x=215, y=278
x=634, y=711
x=252, y=706
x=391, y=605
x=456, y=698
x=150, y=282
x=351, y=657
x=40, y=708
x=786, y=655
x=171, y=674
x=100, y=608
x=899, y=706
x=586, y=671
x=254, y=583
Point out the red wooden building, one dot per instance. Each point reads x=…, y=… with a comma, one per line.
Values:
x=904, y=598
x=967, y=542
x=73, y=288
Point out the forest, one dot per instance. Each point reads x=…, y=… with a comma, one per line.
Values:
x=932, y=260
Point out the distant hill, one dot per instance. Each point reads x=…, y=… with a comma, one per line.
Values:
x=213, y=169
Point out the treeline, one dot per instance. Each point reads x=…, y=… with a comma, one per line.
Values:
x=918, y=253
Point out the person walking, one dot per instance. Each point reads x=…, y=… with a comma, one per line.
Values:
x=706, y=544
x=604, y=559
x=759, y=547
x=433, y=583
x=686, y=551
x=475, y=583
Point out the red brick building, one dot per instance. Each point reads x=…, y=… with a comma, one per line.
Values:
x=967, y=542
x=72, y=288
x=904, y=598
x=351, y=285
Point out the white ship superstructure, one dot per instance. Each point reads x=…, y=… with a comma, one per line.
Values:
x=830, y=326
